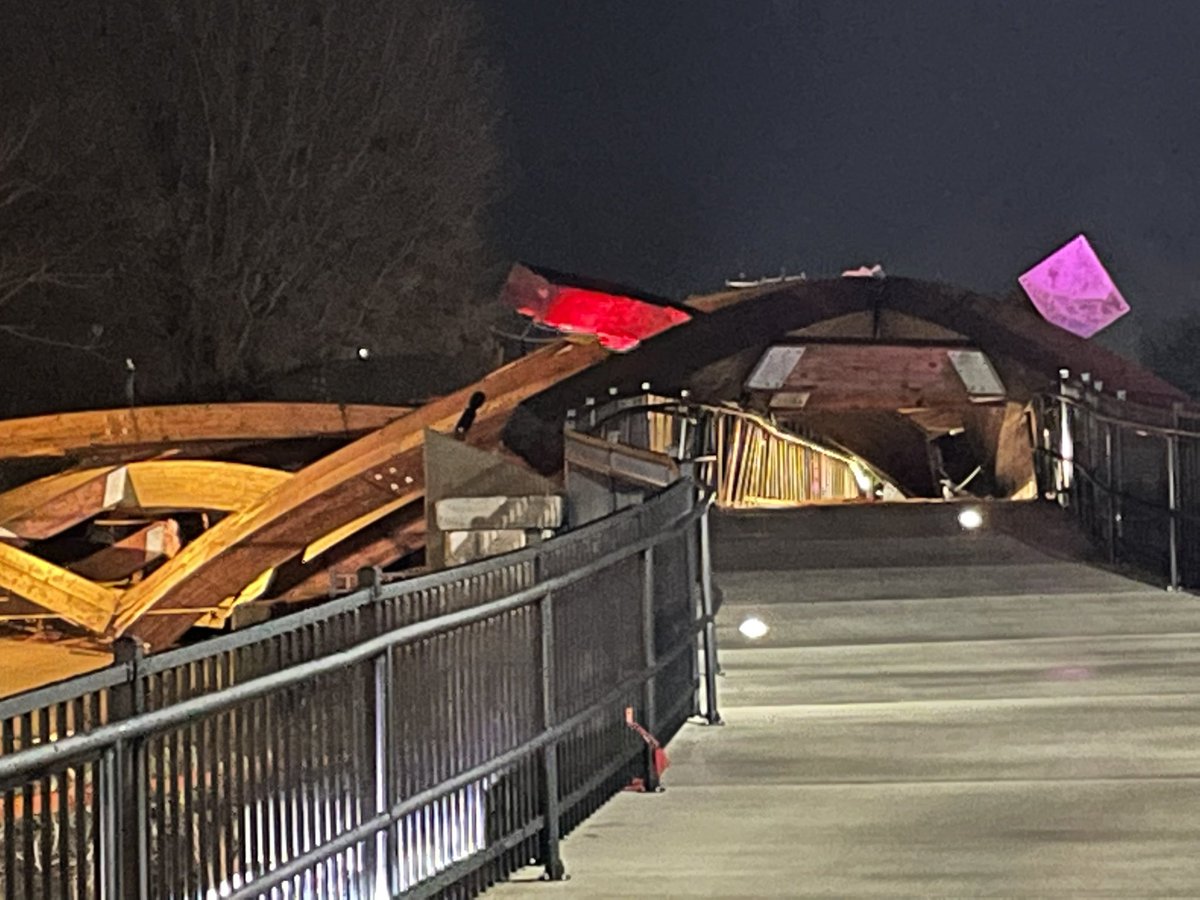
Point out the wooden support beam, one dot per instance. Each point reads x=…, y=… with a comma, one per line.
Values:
x=378, y=545
x=131, y=554
x=199, y=484
x=56, y=590
x=371, y=472
x=49, y=506
x=149, y=427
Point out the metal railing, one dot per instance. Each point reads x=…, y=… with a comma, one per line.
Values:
x=416, y=738
x=1131, y=474
x=743, y=457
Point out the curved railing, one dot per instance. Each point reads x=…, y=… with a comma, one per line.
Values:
x=747, y=460
x=413, y=736
x=1130, y=472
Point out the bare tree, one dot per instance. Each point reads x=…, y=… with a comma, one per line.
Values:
x=322, y=174
x=37, y=244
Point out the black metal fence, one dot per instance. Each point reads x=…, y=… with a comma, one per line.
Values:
x=420, y=738
x=1131, y=473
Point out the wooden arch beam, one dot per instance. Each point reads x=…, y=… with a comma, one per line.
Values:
x=383, y=468
x=49, y=506
x=53, y=588
x=64, y=434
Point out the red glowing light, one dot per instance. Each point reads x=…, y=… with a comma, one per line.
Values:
x=619, y=322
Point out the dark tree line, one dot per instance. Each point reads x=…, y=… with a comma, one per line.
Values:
x=1173, y=351
x=224, y=191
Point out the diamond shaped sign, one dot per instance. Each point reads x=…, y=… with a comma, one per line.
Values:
x=1072, y=290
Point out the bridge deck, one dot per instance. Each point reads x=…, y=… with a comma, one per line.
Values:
x=931, y=714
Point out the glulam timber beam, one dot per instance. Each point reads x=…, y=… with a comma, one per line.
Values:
x=128, y=556
x=381, y=544
x=49, y=506
x=199, y=484
x=150, y=427
x=383, y=468
x=67, y=595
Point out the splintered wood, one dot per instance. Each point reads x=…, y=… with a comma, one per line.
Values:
x=158, y=539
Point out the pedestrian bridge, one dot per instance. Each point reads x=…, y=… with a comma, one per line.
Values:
x=933, y=709
x=932, y=713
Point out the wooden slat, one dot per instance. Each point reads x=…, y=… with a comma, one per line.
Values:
x=337, y=489
x=131, y=554
x=63, y=434
x=56, y=590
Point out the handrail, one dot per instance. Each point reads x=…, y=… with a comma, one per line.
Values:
x=299, y=732
x=1139, y=425
x=1083, y=451
x=686, y=406
x=68, y=749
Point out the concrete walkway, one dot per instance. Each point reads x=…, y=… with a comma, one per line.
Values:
x=931, y=714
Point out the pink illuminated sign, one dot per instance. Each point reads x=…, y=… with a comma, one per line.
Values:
x=1072, y=290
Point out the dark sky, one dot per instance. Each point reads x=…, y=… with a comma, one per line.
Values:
x=672, y=144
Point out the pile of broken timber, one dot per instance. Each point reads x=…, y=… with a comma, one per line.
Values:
x=153, y=520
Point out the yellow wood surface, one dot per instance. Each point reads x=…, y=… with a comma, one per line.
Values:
x=62, y=434
x=45, y=507
x=331, y=492
x=57, y=590
x=200, y=484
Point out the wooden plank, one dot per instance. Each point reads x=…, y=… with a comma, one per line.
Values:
x=49, y=506
x=63, y=434
x=56, y=590
x=379, y=545
x=337, y=489
x=131, y=554
x=199, y=484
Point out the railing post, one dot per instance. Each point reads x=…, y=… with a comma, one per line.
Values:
x=711, y=712
x=1110, y=492
x=1063, y=468
x=127, y=792
x=649, y=658
x=386, y=869
x=551, y=857
x=694, y=604
x=1173, y=496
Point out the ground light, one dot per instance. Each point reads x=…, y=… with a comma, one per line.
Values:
x=753, y=628
x=970, y=518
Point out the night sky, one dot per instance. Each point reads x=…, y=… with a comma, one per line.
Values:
x=674, y=144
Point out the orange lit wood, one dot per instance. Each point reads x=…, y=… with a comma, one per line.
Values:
x=49, y=506
x=380, y=544
x=150, y=426
x=199, y=484
x=56, y=590
x=333, y=491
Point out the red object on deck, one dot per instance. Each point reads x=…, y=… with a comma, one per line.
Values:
x=659, y=756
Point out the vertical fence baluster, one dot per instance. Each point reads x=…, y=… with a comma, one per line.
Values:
x=649, y=658
x=1173, y=497
x=551, y=858
x=711, y=712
